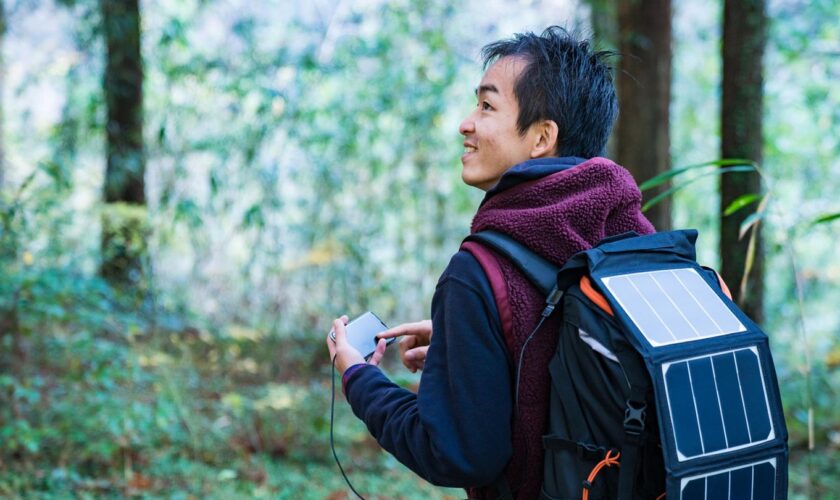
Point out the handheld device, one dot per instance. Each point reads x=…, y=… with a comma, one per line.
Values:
x=362, y=332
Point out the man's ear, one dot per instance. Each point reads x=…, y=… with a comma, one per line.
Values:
x=545, y=139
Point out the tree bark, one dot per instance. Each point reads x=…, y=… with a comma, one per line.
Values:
x=744, y=39
x=642, y=139
x=124, y=177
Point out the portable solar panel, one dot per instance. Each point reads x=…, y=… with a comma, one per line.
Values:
x=671, y=306
x=720, y=402
x=720, y=416
x=752, y=481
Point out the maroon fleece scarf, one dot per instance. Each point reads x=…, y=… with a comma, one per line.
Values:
x=556, y=216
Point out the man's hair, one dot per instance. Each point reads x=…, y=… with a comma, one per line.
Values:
x=564, y=81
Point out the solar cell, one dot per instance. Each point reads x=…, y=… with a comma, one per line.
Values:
x=671, y=306
x=753, y=481
x=718, y=403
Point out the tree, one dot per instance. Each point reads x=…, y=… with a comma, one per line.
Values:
x=642, y=140
x=124, y=216
x=9, y=323
x=2, y=74
x=744, y=39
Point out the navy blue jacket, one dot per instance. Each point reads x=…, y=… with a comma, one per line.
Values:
x=456, y=431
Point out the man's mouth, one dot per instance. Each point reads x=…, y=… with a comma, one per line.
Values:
x=469, y=148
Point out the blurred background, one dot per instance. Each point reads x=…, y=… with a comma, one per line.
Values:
x=192, y=189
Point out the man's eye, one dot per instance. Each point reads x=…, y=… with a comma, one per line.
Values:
x=486, y=106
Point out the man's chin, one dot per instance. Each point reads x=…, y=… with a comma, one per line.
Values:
x=471, y=181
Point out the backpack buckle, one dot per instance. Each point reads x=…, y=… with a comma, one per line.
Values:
x=634, y=417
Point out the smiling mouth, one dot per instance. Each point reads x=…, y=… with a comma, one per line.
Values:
x=470, y=149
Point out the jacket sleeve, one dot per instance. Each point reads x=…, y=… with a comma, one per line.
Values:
x=456, y=431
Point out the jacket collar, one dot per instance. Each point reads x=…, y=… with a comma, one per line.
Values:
x=530, y=170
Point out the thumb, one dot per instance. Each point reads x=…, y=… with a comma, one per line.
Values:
x=378, y=353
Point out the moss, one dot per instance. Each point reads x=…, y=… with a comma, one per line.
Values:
x=125, y=231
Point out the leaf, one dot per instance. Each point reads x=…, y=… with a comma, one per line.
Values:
x=253, y=217
x=823, y=219
x=740, y=202
x=748, y=265
x=753, y=219
x=189, y=212
x=665, y=176
x=661, y=196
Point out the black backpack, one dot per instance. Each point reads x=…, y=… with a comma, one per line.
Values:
x=659, y=382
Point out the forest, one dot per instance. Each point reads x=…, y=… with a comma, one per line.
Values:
x=191, y=191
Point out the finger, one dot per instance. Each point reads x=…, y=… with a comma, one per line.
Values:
x=400, y=330
x=391, y=332
x=378, y=353
x=338, y=328
x=344, y=319
x=406, y=344
x=396, y=331
x=417, y=358
x=415, y=365
x=418, y=354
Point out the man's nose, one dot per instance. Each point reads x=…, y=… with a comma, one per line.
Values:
x=467, y=126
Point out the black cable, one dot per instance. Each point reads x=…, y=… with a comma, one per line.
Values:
x=332, y=442
x=550, y=303
x=519, y=365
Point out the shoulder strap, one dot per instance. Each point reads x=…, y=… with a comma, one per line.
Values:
x=550, y=279
x=539, y=271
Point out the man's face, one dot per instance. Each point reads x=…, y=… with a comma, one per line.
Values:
x=492, y=143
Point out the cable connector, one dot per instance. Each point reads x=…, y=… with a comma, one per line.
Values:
x=551, y=302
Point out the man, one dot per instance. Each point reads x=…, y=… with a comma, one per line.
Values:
x=546, y=105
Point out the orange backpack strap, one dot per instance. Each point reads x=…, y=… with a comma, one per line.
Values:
x=594, y=296
x=723, y=286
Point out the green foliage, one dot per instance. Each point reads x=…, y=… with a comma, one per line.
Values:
x=741, y=202
x=823, y=219
x=710, y=168
x=125, y=231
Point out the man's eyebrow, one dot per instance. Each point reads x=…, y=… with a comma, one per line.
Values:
x=486, y=88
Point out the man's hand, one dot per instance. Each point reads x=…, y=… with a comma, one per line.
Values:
x=344, y=354
x=414, y=343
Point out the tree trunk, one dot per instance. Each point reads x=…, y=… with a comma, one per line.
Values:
x=642, y=141
x=10, y=334
x=123, y=218
x=8, y=316
x=744, y=37
x=2, y=86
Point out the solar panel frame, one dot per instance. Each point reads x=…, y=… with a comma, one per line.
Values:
x=649, y=321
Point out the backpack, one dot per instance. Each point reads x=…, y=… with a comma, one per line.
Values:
x=660, y=385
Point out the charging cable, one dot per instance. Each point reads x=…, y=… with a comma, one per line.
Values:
x=332, y=442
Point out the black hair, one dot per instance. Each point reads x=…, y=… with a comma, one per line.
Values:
x=564, y=81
